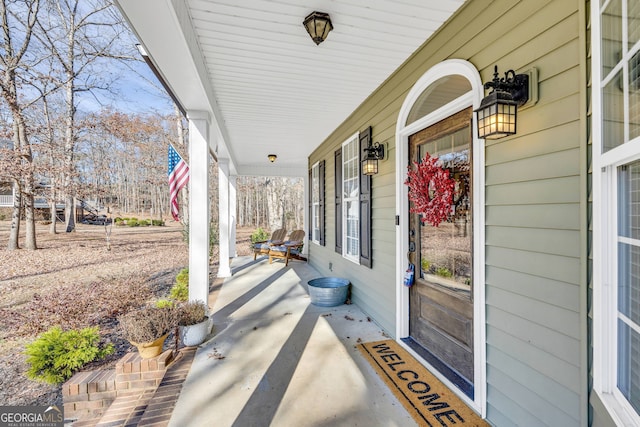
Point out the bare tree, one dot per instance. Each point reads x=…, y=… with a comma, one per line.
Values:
x=270, y=202
x=18, y=19
x=79, y=34
x=122, y=158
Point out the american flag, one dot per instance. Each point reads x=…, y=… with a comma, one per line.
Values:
x=178, y=178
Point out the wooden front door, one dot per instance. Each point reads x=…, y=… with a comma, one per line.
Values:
x=441, y=299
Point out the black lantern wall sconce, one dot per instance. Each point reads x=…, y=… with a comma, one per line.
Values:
x=318, y=25
x=497, y=114
x=374, y=152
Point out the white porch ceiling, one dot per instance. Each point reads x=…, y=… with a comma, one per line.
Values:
x=268, y=87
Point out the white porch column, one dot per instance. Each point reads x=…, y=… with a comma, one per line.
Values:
x=198, y=206
x=223, y=216
x=233, y=203
x=305, y=215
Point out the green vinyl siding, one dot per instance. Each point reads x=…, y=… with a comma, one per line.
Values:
x=535, y=206
x=600, y=415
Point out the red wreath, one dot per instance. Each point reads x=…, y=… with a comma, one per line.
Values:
x=430, y=190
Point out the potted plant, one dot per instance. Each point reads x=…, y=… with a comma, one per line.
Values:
x=194, y=323
x=147, y=328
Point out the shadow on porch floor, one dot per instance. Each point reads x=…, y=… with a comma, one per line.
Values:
x=277, y=360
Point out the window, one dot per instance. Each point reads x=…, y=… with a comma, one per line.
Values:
x=351, y=199
x=628, y=307
x=316, y=203
x=616, y=204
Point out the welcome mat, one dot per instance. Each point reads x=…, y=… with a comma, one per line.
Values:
x=428, y=401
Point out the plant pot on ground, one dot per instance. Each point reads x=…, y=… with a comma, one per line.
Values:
x=194, y=323
x=147, y=328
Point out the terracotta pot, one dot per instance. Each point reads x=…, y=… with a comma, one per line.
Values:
x=148, y=350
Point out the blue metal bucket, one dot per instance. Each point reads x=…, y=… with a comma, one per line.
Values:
x=328, y=291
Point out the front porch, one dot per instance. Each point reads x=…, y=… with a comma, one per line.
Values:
x=275, y=359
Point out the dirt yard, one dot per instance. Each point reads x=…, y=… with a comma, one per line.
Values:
x=74, y=281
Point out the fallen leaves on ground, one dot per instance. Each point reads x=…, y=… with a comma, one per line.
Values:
x=72, y=280
x=215, y=354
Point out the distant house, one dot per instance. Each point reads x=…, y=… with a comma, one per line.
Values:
x=6, y=196
x=6, y=188
x=7, y=193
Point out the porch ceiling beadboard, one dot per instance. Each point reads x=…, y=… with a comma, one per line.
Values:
x=252, y=65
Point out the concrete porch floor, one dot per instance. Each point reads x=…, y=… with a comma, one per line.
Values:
x=277, y=360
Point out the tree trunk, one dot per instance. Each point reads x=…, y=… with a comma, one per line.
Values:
x=54, y=214
x=14, y=233
x=30, y=218
x=69, y=134
x=69, y=214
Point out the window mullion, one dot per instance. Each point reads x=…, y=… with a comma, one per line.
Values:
x=629, y=241
x=612, y=274
x=625, y=69
x=630, y=323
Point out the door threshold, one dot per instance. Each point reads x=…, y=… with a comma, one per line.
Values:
x=447, y=371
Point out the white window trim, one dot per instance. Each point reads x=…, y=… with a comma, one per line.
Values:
x=315, y=174
x=472, y=98
x=605, y=236
x=605, y=291
x=353, y=258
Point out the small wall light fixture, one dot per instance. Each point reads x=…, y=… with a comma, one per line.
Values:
x=272, y=157
x=318, y=25
x=374, y=152
x=498, y=111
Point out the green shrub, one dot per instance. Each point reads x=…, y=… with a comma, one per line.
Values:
x=56, y=354
x=165, y=303
x=144, y=222
x=425, y=264
x=157, y=222
x=259, y=235
x=213, y=235
x=133, y=222
x=180, y=290
x=444, y=272
x=118, y=222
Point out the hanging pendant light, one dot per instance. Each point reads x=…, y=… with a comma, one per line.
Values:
x=318, y=25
